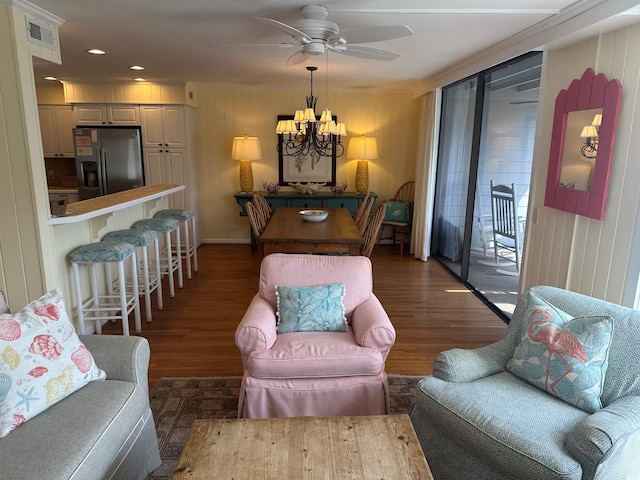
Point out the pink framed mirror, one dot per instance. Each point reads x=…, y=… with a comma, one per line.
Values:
x=584, y=130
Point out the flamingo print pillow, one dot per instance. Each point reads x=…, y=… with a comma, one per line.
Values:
x=562, y=355
x=43, y=360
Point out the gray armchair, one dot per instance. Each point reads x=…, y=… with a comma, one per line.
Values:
x=477, y=420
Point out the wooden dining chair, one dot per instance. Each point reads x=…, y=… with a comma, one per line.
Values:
x=363, y=219
x=358, y=215
x=402, y=201
x=262, y=206
x=373, y=230
x=257, y=224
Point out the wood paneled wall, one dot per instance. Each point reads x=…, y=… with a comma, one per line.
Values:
x=570, y=251
x=390, y=117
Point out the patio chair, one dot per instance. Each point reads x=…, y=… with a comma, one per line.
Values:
x=508, y=228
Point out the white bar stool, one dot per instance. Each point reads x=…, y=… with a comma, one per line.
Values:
x=106, y=307
x=169, y=263
x=189, y=247
x=142, y=239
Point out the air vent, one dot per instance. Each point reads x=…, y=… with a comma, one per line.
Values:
x=40, y=34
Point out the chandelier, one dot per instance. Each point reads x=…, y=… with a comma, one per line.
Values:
x=305, y=134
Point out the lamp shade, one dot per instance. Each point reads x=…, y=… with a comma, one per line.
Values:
x=246, y=148
x=363, y=148
x=597, y=120
x=589, y=131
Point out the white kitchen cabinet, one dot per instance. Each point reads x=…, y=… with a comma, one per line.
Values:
x=170, y=166
x=56, y=127
x=163, y=126
x=107, y=114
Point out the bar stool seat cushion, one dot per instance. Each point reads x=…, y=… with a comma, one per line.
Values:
x=101, y=252
x=139, y=237
x=157, y=224
x=176, y=213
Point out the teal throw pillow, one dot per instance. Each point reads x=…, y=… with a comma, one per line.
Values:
x=311, y=309
x=564, y=356
x=397, y=211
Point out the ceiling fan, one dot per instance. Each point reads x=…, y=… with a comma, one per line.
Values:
x=316, y=35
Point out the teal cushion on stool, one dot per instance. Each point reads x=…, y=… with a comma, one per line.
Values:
x=177, y=214
x=139, y=237
x=158, y=224
x=102, y=252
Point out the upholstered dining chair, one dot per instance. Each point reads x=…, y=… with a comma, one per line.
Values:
x=372, y=230
x=314, y=340
x=257, y=224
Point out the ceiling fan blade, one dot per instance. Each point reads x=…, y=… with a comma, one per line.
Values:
x=288, y=29
x=372, y=34
x=369, y=53
x=279, y=45
x=297, y=58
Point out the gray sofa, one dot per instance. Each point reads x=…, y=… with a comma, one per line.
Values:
x=476, y=420
x=105, y=430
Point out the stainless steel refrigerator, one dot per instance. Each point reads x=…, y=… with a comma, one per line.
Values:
x=108, y=160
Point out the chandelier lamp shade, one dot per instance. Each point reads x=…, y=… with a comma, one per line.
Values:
x=307, y=133
x=363, y=149
x=245, y=149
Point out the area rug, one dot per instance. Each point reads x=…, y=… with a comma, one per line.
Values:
x=177, y=402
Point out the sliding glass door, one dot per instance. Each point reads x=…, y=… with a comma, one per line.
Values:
x=486, y=136
x=452, y=177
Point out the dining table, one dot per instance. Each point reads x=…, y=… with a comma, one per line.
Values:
x=288, y=232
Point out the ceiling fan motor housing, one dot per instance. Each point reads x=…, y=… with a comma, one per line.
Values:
x=313, y=48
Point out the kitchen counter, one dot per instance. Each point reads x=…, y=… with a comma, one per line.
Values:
x=107, y=204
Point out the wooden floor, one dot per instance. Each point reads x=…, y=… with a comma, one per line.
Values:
x=194, y=334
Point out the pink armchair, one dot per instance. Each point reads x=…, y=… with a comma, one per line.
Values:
x=315, y=373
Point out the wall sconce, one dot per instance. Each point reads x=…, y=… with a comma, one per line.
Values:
x=590, y=148
x=245, y=149
x=362, y=148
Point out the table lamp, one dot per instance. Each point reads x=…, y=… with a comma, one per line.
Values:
x=245, y=149
x=362, y=148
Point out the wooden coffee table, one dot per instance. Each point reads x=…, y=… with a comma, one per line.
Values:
x=367, y=447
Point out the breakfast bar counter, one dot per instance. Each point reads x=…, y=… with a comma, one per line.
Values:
x=95, y=207
x=90, y=220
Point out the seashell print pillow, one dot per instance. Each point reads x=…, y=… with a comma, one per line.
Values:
x=43, y=360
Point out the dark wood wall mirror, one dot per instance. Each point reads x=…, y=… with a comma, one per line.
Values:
x=584, y=129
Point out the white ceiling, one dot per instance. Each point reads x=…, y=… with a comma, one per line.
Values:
x=220, y=42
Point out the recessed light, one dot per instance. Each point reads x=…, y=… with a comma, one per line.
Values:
x=96, y=51
x=136, y=67
x=50, y=78
x=140, y=79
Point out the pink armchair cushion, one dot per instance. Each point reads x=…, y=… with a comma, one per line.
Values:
x=315, y=355
x=294, y=270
